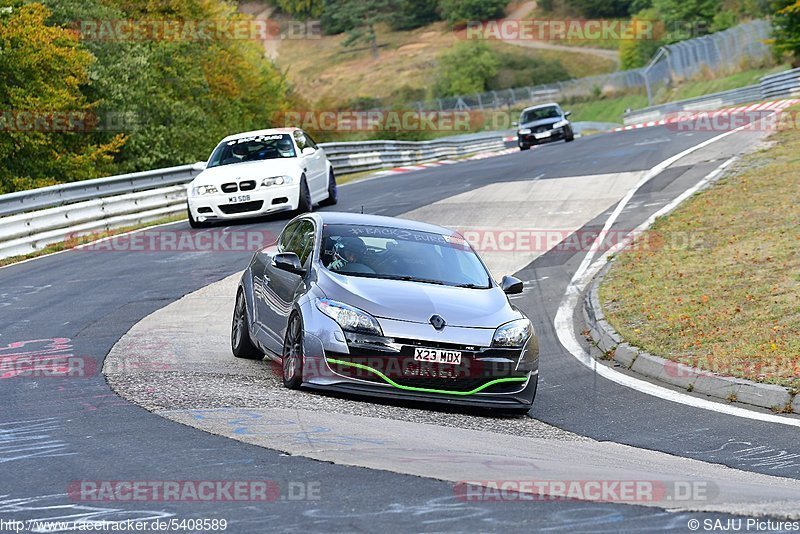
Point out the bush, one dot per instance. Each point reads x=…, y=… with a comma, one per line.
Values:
x=517, y=69
x=465, y=69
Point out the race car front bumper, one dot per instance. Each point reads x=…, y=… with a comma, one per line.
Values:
x=243, y=204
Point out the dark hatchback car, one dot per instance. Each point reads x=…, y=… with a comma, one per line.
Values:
x=543, y=124
x=386, y=307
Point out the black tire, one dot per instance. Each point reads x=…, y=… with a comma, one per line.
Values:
x=570, y=136
x=292, y=357
x=333, y=191
x=193, y=222
x=241, y=345
x=304, y=203
x=524, y=147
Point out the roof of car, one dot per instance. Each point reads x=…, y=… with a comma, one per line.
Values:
x=540, y=106
x=269, y=131
x=337, y=217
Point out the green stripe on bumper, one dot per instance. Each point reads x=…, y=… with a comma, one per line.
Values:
x=426, y=390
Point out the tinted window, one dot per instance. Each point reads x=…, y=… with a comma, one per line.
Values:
x=549, y=112
x=255, y=148
x=310, y=142
x=396, y=253
x=301, y=240
x=286, y=236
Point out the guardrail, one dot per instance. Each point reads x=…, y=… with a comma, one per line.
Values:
x=781, y=85
x=31, y=220
x=735, y=97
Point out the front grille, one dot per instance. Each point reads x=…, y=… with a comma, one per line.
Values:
x=247, y=185
x=229, y=188
x=230, y=209
x=402, y=369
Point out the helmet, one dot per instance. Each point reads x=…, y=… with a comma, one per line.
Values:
x=284, y=145
x=239, y=150
x=352, y=247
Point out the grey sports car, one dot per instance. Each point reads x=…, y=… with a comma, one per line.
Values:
x=389, y=308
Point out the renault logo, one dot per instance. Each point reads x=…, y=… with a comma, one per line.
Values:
x=437, y=322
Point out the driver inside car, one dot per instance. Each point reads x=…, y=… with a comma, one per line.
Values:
x=349, y=253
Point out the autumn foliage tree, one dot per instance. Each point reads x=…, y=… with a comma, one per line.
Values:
x=156, y=101
x=44, y=115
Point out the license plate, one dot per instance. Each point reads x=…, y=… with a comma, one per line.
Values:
x=437, y=355
x=238, y=199
x=541, y=135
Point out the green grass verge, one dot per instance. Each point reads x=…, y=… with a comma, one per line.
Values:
x=605, y=110
x=714, y=85
x=718, y=287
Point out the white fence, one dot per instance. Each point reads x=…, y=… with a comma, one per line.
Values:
x=31, y=220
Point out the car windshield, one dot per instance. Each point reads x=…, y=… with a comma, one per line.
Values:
x=253, y=148
x=537, y=114
x=401, y=254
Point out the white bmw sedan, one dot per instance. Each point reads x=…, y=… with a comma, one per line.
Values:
x=255, y=173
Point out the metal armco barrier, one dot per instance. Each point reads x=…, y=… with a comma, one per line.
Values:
x=781, y=85
x=31, y=220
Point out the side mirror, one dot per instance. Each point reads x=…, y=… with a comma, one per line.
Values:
x=288, y=261
x=567, y=113
x=514, y=124
x=199, y=166
x=308, y=151
x=511, y=285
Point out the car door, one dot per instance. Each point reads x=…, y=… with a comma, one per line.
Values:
x=280, y=288
x=314, y=164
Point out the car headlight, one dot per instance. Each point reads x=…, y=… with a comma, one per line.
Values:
x=525, y=131
x=513, y=334
x=276, y=180
x=205, y=190
x=561, y=124
x=350, y=318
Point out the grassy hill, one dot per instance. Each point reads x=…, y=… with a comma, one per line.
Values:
x=326, y=73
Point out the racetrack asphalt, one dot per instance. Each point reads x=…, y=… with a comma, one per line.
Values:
x=59, y=430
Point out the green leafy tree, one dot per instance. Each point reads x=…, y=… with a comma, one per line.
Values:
x=301, y=8
x=410, y=14
x=359, y=18
x=466, y=69
x=602, y=8
x=637, y=52
x=694, y=15
x=786, y=29
x=43, y=69
x=182, y=95
x=459, y=12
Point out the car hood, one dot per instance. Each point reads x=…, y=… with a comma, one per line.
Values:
x=251, y=170
x=417, y=302
x=541, y=122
